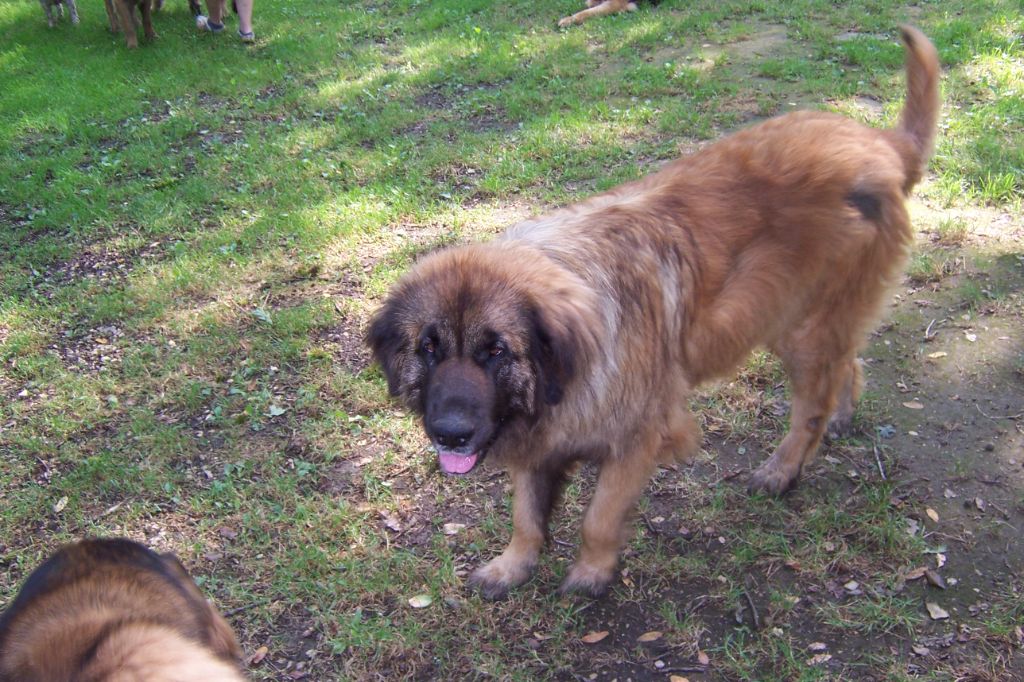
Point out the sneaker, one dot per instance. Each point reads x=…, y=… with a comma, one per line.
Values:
x=204, y=24
x=249, y=37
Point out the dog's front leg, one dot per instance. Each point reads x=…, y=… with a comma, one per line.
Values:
x=147, y=19
x=533, y=494
x=126, y=15
x=112, y=16
x=619, y=485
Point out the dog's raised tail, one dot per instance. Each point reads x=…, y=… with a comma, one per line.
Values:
x=921, y=110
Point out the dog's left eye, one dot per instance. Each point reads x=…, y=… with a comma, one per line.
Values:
x=496, y=350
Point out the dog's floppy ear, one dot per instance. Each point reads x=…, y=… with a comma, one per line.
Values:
x=388, y=343
x=561, y=345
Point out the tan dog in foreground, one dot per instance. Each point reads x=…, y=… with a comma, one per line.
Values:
x=579, y=335
x=114, y=611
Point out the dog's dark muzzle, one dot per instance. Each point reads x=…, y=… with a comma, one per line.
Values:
x=457, y=414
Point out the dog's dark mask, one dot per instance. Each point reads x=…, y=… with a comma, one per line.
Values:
x=469, y=384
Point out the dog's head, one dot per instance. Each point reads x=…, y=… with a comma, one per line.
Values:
x=477, y=337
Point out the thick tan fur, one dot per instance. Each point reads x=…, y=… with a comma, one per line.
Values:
x=112, y=611
x=784, y=235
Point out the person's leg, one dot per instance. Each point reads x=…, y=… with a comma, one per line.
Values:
x=213, y=23
x=215, y=11
x=244, y=9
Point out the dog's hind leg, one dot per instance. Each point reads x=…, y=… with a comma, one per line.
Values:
x=841, y=422
x=681, y=437
x=819, y=373
x=598, y=9
x=534, y=494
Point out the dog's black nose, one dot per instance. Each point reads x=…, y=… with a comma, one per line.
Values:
x=452, y=430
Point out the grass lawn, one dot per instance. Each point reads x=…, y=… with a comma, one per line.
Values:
x=194, y=234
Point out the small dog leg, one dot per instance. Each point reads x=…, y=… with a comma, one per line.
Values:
x=126, y=14
x=147, y=20
x=598, y=9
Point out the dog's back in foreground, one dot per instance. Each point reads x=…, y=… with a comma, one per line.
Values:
x=111, y=610
x=579, y=334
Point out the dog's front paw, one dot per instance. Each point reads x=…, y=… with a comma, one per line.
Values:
x=565, y=22
x=592, y=581
x=496, y=578
x=773, y=477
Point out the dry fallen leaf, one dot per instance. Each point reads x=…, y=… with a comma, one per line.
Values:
x=980, y=504
x=938, y=354
x=452, y=528
x=915, y=573
x=817, y=646
x=932, y=514
x=921, y=650
x=935, y=579
x=391, y=521
x=819, y=659
x=227, y=533
x=421, y=601
x=703, y=659
x=936, y=611
x=258, y=655
x=678, y=678
x=61, y=504
x=913, y=405
x=594, y=637
x=970, y=337
x=650, y=636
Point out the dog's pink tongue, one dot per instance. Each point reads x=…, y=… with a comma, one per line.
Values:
x=452, y=463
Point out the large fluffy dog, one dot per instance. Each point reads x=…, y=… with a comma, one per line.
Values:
x=114, y=611
x=578, y=335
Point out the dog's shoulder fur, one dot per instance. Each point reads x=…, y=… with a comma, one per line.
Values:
x=113, y=610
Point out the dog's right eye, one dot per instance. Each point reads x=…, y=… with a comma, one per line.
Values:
x=427, y=346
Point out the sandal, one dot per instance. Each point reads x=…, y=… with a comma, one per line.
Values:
x=249, y=37
x=203, y=23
